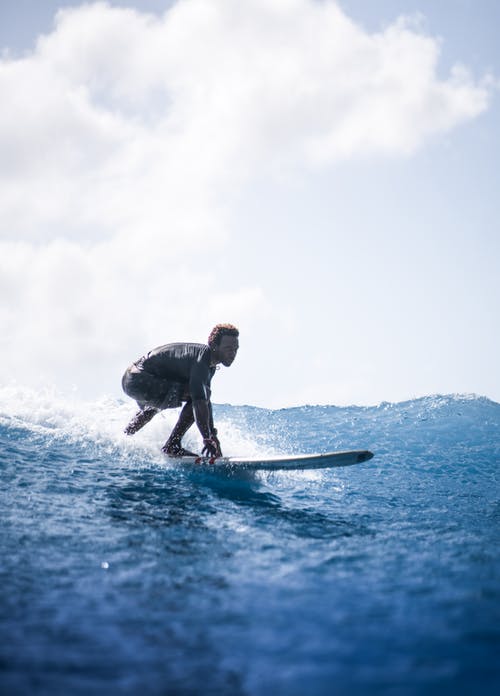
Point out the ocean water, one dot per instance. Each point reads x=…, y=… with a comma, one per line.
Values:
x=124, y=574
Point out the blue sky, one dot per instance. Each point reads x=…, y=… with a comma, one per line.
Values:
x=323, y=175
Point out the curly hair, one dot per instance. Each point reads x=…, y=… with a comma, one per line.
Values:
x=219, y=331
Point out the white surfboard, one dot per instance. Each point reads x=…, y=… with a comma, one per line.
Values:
x=296, y=461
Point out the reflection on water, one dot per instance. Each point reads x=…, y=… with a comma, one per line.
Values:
x=177, y=497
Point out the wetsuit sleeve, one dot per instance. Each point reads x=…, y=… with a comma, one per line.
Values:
x=199, y=381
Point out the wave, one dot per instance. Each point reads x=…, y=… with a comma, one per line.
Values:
x=421, y=424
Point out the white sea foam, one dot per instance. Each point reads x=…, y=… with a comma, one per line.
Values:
x=48, y=411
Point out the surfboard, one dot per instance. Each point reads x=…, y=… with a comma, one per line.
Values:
x=295, y=461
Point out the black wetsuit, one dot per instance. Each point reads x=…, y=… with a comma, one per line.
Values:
x=169, y=375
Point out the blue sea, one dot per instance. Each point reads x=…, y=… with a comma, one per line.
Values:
x=122, y=573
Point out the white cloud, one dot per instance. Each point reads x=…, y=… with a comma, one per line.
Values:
x=125, y=139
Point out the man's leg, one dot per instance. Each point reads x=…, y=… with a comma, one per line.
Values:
x=140, y=419
x=145, y=390
x=173, y=446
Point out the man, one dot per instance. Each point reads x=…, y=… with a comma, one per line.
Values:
x=181, y=372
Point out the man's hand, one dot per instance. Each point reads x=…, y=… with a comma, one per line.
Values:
x=211, y=447
x=216, y=439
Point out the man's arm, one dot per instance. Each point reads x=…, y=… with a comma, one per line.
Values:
x=213, y=431
x=203, y=415
x=202, y=409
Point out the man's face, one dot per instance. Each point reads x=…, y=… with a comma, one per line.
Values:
x=226, y=351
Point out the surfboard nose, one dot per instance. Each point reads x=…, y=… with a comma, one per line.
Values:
x=364, y=456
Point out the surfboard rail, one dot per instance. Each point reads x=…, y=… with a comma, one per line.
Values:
x=291, y=461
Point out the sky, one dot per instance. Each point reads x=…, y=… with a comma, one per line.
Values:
x=322, y=174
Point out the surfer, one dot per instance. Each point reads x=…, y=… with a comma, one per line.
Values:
x=178, y=373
